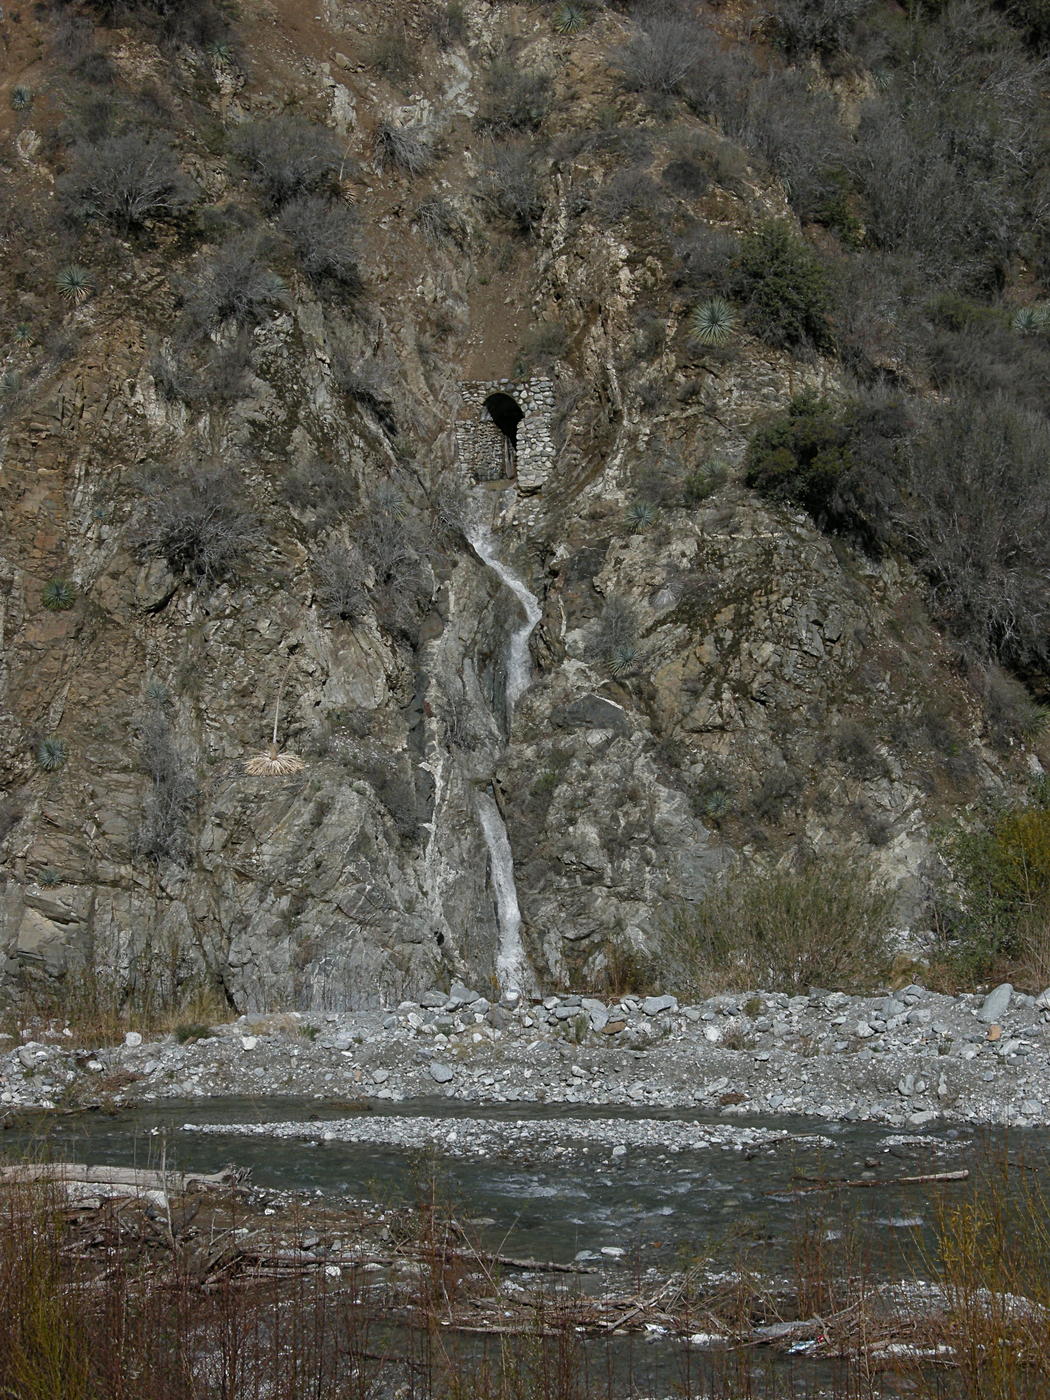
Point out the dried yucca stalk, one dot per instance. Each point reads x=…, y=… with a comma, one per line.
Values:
x=272, y=763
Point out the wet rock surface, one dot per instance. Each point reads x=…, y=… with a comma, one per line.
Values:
x=908, y=1058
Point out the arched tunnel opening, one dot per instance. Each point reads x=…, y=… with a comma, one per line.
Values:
x=506, y=415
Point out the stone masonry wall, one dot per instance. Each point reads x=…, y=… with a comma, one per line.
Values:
x=481, y=446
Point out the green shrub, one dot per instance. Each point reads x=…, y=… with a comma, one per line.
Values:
x=823, y=924
x=704, y=482
x=1000, y=924
x=783, y=288
x=58, y=595
x=800, y=456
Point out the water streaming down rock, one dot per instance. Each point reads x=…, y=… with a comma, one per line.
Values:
x=519, y=666
x=511, y=965
x=512, y=970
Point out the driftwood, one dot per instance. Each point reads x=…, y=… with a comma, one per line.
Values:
x=822, y=1183
x=79, y=1178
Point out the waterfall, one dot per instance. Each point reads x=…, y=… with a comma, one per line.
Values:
x=512, y=971
x=519, y=667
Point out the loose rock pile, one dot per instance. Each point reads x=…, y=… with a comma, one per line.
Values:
x=905, y=1058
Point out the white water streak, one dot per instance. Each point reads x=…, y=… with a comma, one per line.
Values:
x=511, y=970
x=519, y=664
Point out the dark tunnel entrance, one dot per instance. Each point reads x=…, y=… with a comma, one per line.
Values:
x=506, y=415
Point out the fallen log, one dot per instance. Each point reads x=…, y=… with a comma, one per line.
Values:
x=834, y=1183
x=79, y=1173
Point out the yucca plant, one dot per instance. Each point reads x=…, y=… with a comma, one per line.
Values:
x=570, y=19
x=623, y=660
x=74, y=283
x=51, y=754
x=272, y=763
x=713, y=322
x=641, y=514
x=58, y=595
x=21, y=99
x=1030, y=319
x=22, y=333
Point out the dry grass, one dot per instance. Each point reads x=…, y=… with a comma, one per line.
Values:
x=97, y=1013
x=783, y=930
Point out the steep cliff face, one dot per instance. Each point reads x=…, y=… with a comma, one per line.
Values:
x=708, y=675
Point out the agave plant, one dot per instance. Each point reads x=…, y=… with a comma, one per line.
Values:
x=21, y=99
x=623, y=660
x=49, y=878
x=1030, y=319
x=51, y=754
x=272, y=763
x=22, y=333
x=74, y=283
x=641, y=514
x=58, y=595
x=713, y=322
x=570, y=19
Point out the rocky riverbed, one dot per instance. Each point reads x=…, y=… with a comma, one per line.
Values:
x=905, y=1059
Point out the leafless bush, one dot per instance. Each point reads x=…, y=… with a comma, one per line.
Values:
x=627, y=192
x=324, y=489
x=234, y=284
x=125, y=180
x=706, y=258
x=342, y=594
x=288, y=157
x=975, y=511
x=804, y=27
x=162, y=833
x=198, y=521
x=439, y=221
x=407, y=148
x=662, y=54
x=510, y=185
x=196, y=22
x=370, y=383
x=449, y=26
x=324, y=235
x=516, y=99
x=219, y=376
x=393, y=54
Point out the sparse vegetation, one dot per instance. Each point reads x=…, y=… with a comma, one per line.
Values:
x=406, y=148
x=516, y=99
x=510, y=185
x=342, y=594
x=323, y=233
x=823, y=924
x=288, y=158
x=198, y=520
x=234, y=284
x=125, y=180
x=163, y=831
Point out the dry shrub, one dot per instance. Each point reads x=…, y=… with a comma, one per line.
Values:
x=823, y=924
x=198, y=520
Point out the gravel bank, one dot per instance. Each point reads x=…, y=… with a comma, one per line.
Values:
x=905, y=1059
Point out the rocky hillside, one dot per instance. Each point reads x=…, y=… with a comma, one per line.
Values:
x=262, y=273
